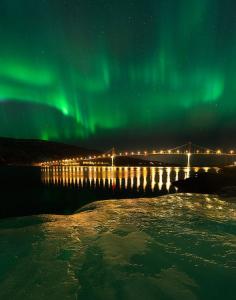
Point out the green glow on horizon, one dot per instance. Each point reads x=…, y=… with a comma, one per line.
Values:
x=96, y=66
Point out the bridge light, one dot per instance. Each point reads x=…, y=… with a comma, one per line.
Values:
x=145, y=152
x=231, y=151
x=109, y=155
x=132, y=153
x=126, y=153
x=218, y=151
x=138, y=152
x=178, y=151
x=169, y=151
x=208, y=151
x=161, y=152
x=154, y=152
x=197, y=151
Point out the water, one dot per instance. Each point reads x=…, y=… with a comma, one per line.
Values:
x=171, y=247
x=119, y=178
x=62, y=190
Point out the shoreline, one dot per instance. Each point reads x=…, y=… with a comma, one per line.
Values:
x=222, y=183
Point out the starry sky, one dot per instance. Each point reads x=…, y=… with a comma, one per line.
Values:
x=126, y=73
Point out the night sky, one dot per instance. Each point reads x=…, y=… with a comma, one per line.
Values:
x=119, y=72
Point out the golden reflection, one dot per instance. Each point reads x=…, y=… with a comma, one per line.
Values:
x=177, y=174
x=153, y=178
x=134, y=178
x=126, y=177
x=160, y=181
x=138, y=171
x=187, y=172
x=168, y=182
x=144, y=178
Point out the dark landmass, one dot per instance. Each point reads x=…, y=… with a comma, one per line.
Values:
x=26, y=152
x=222, y=183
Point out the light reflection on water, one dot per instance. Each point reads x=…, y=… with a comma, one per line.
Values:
x=123, y=178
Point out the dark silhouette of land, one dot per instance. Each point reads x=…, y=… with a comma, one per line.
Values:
x=222, y=183
x=26, y=152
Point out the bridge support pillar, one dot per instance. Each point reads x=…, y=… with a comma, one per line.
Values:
x=112, y=160
x=113, y=155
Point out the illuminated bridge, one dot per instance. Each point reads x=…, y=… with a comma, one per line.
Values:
x=187, y=150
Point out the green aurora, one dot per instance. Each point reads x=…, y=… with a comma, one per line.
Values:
x=78, y=70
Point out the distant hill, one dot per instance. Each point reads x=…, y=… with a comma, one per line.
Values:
x=26, y=152
x=21, y=151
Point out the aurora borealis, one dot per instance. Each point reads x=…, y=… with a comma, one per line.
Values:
x=118, y=71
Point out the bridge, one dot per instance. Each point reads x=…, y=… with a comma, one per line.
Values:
x=187, y=150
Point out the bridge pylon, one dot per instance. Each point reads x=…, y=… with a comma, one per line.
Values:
x=189, y=153
x=113, y=154
x=189, y=147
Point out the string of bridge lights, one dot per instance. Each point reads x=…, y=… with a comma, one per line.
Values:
x=137, y=153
